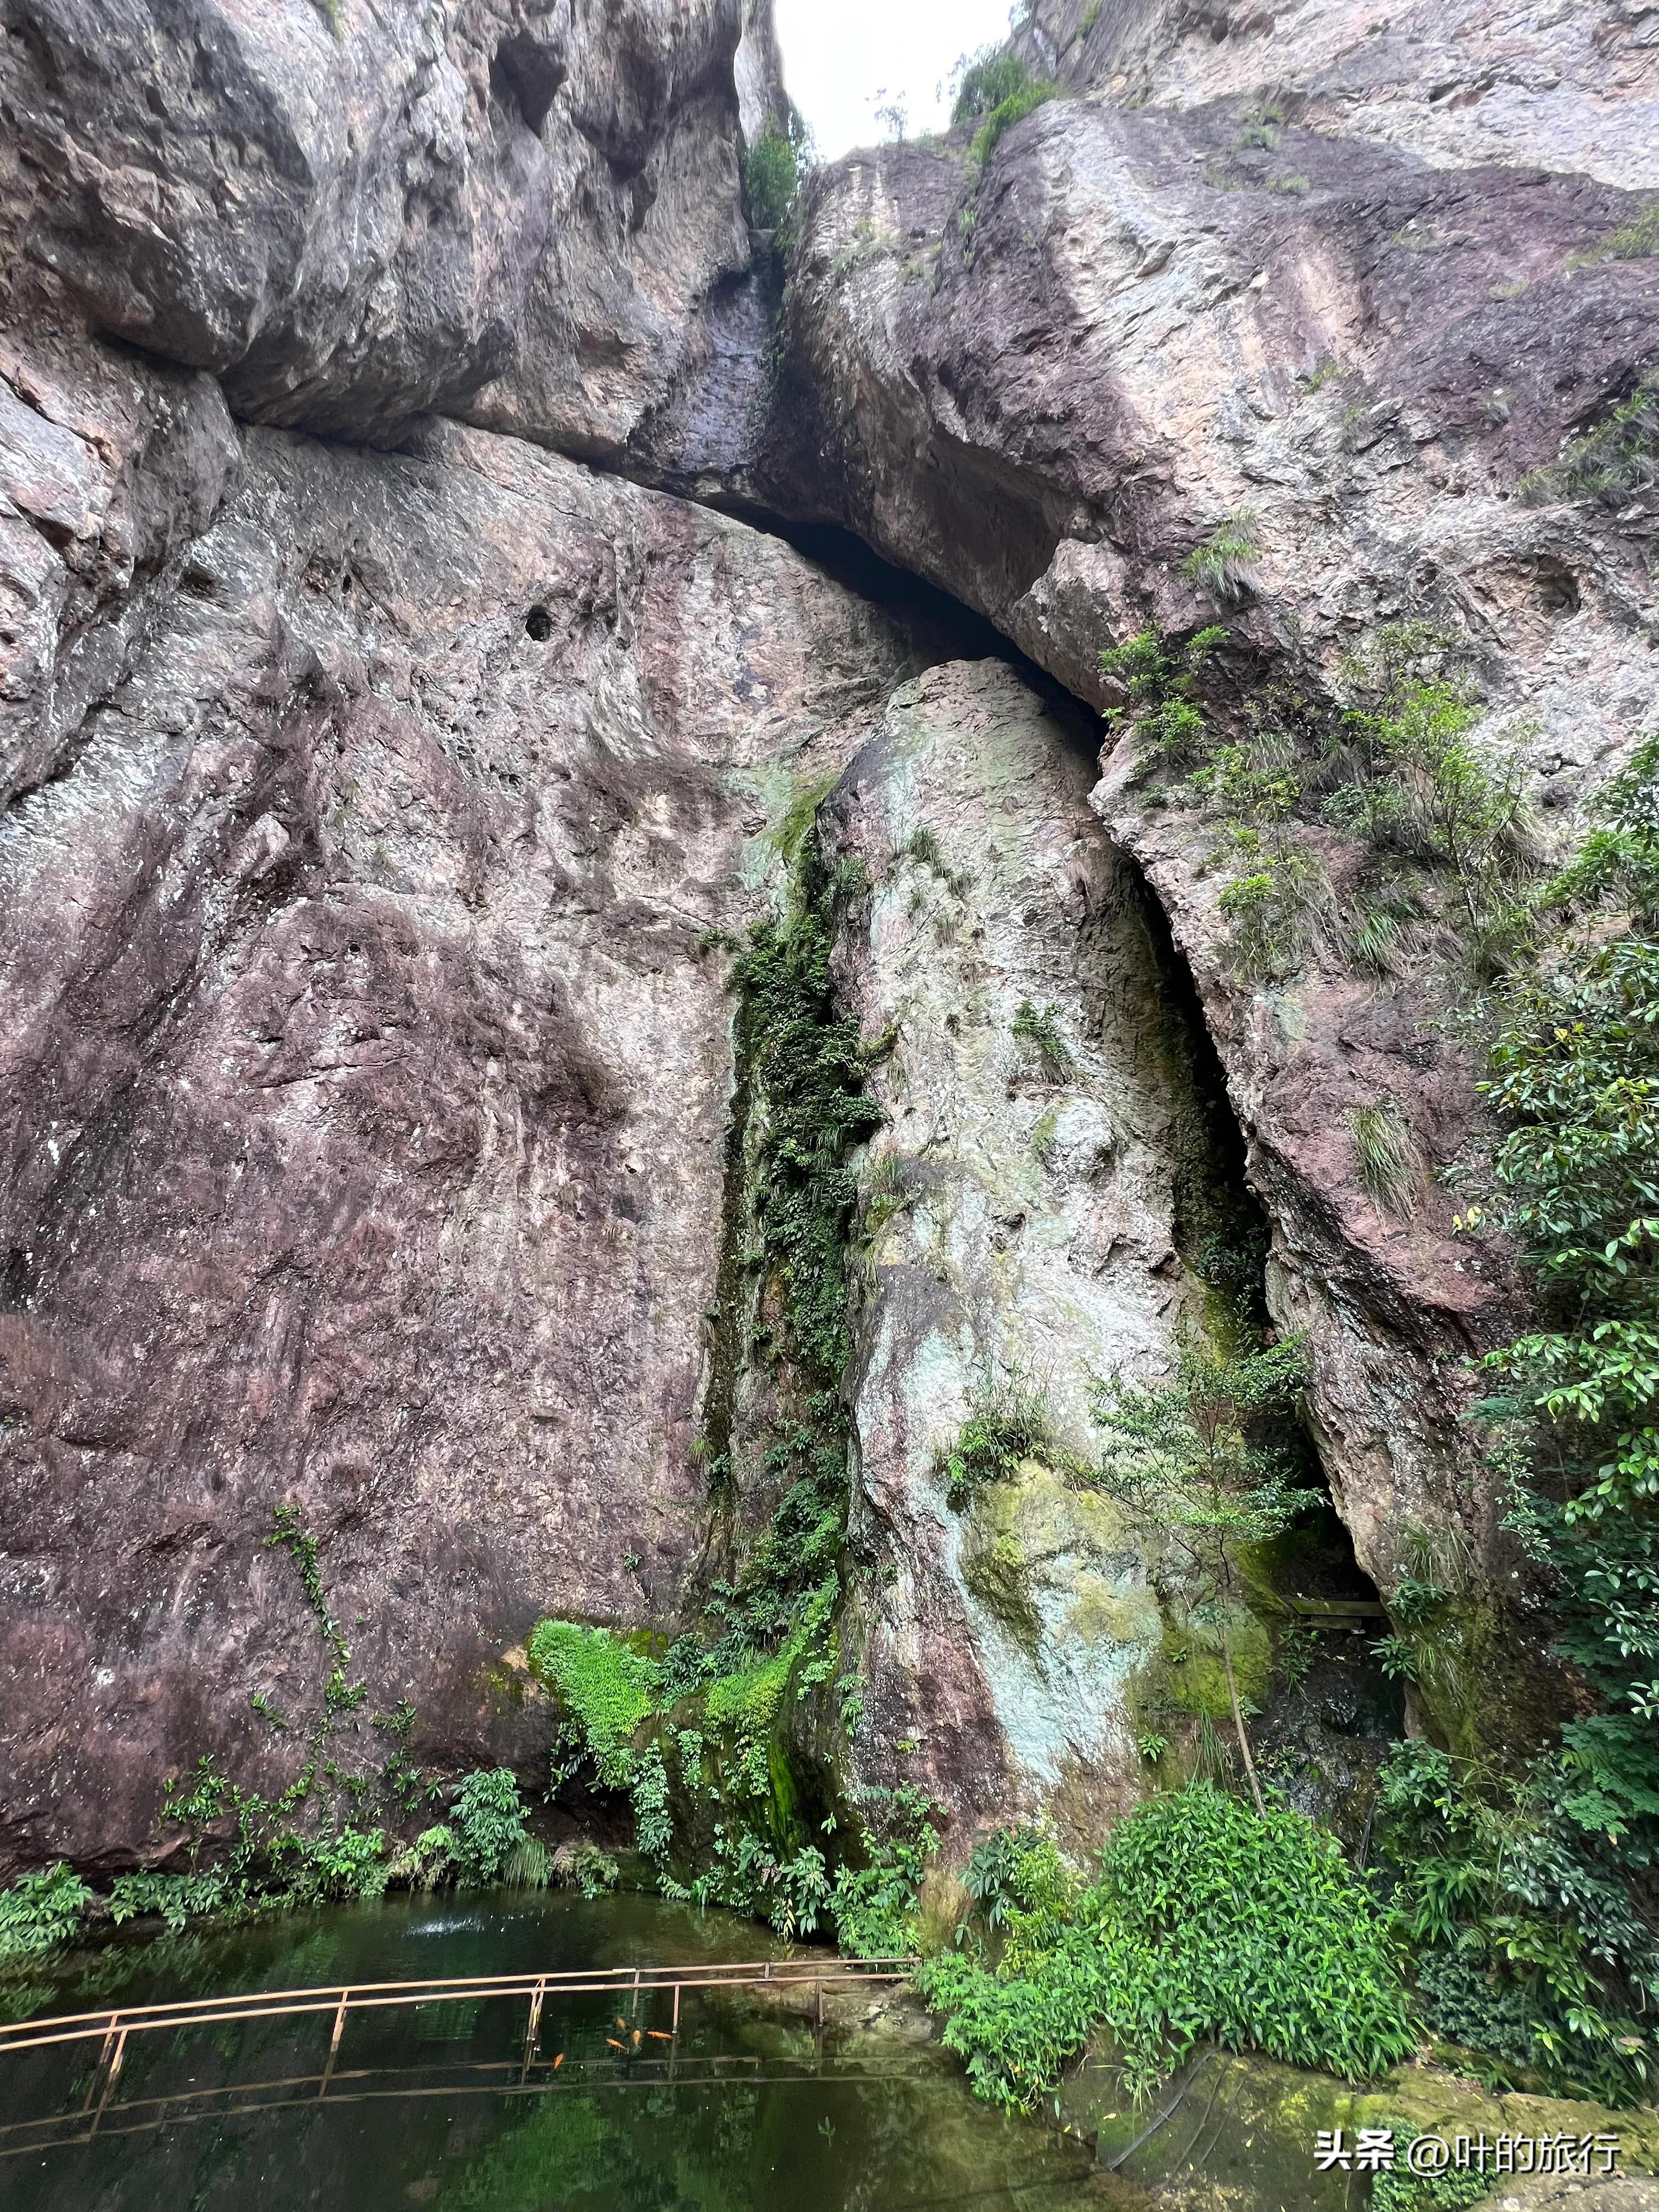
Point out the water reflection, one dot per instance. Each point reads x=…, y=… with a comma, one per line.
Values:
x=753, y=2110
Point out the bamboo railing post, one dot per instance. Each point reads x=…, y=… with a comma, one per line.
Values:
x=533, y=2034
x=334, y=2045
x=103, y=2060
x=110, y=2078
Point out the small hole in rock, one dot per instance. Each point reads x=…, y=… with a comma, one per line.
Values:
x=538, y=624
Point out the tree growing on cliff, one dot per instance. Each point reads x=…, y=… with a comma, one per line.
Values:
x=1199, y=1463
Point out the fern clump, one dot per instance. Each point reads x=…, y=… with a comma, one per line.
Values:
x=1207, y=1921
x=1007, y=1422
x=1038, y=1029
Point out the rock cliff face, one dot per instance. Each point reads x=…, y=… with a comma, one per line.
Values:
x=1342, y=286
x=374, y=813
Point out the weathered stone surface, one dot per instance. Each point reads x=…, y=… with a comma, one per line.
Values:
x=1558, y=84
x=1045, y=385
x=110, y=466
x=1031, y=1239
x=354, y=212
x=363, y=1095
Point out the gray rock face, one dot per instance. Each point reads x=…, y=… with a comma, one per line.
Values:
x=363, y=1097
x=1557, y=85
x=364, y=1089
x=1030, y=1242
x=351, y=213
x=1046, y=384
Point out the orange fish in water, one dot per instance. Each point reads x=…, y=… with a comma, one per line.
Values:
x=658, y=2035
x=558, y=2062
x=613, y=2045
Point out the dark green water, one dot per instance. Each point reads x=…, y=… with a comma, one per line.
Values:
x=857, y=2121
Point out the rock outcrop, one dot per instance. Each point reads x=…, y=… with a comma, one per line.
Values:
x=382, y=772
x=1296, y=280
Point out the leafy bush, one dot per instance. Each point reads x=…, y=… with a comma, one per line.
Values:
x=1036, y=94
x=1019, y=1873
x=487, y=1822
x=1198, y=1463
x=1160, y=681
x=1007, y=1422
x=874, y=1905
x=1206, y=1921
x=41, y=1909
x=991, y=76
x=1528, y=1875
x=771, y=180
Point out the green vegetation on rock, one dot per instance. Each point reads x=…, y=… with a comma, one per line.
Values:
x=1522, y=1888
x=1207, y=1920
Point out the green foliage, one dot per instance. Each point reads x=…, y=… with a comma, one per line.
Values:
x=1090, y=17
x=811, y=1065
x=1278, y=910
x=1207, y=1921
x=1395, y=2190
x=1387, y=1156
x=176, y=1899
x=1160, y=681
x=1007, y=1422
x=486, y=1822
x=41, y=1909
x=1203, y=1464
x=1003, y=117
x=1523, y=1880
x=1638, y=239
x=1018, y=1876
x=991, y=78
x=1224, y=565
x=1039, y=1030
x=1416, y=787
x=771, y=181
x=1613, y=463
x=609, y=1688
x=1527, y=1939
x=873, y=1906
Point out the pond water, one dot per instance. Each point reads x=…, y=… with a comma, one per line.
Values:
x=854, y=2118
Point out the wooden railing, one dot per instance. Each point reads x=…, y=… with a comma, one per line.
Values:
x=112, y=2030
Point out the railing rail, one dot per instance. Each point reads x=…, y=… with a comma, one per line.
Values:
x=114, y=2026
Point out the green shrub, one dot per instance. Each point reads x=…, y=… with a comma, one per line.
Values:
x=771, y=181
x=1003, y=117
x=1019, y=1874
x=41, y=1909
x=1638, y=239
x=1615, y=462
x=1007, y=1422
x=1202, y=1465
x=487, y=1823
x=993, y=77
x=1207, y=1921
x=1160, y=680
